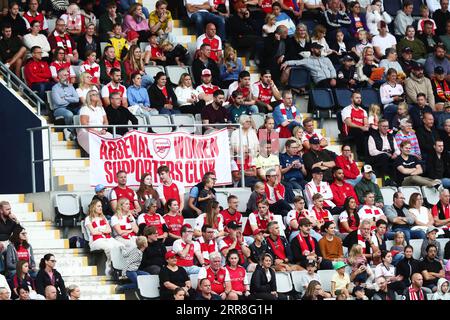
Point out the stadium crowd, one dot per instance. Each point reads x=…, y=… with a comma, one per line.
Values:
x=404, y=141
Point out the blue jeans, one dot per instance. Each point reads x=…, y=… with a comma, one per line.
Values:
x=147, y=81
x=202, y=18
x=192, y=270
x=389, y=111
x=397, y=258
x=41, y=87
x=313, y=234
x=66, y=112
x=132, y=275
x=409, y=234
x=169, y=112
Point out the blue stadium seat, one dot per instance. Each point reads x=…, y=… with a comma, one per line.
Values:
x=299, y=78
x=322, y=100
x=370, y=96
x=343, y=97
x=392, y=6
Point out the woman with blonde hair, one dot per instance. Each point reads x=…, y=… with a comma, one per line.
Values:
x=85, y=86
x=73, y=291
x=91, y=114
x=361, y=271
x=124, y=224
x=100, y=232
x=134, y=63
x=187, y=96
x=318, y=36
x=249, y=140
x=422, y=215
x=230, y=67
x=298, y=46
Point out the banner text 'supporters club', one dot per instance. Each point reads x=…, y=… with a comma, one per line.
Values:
x=188, y=157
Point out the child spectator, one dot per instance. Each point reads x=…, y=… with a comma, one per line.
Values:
x=442, y=292
x=360, y=293
x=398, y=248
x=361, y=272
x=363, y=42
x=425, y=16
x=91, y=66
x=118, y=41
x=154, y=53
x=431, y=239
x=309, y=275
x=340, y=281
x=374, y=116
x=258, y=194
x=206, y=194
x=270, y=25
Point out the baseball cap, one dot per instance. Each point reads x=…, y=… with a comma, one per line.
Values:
x=314, y=140
x=404, y=122
x=206, y=72
x=338, y=265
x=304, y=222
x=170, y=254
x=431, y=229
x=347, y=58
x=316, y=170
x=258, y=231
x=418, y=66
x=358, y=288
x=439, y=70
x=99, y=188
x=131, y=35
x=407, y=49
x=367, y=168
x=233, y=225
x=316, y=45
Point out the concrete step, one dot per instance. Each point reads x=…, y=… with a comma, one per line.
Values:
x=180, y=31
x=50, y=243
x=181, y=23
x=60, y=251
x=72, y=179
x=36, y=235
x=29, y=216
x=71, y=164
x=64, y=143
x=73, y=187
x=185, y=39
x=57, y=136
x=16, y=198
x=76, y=270
x=59, y=171
x=101, y=280
x=40, y=225
x=66, y=153
x=95, y=289
x=23, y=207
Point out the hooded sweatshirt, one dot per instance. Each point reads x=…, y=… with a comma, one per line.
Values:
x=439, y=295
x=414, y=85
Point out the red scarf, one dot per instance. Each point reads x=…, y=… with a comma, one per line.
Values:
x=304, y=246
x=443, y=94
x=321, y=216
x=283, y=111
x=64, y=43
x=277, y=248
x=413, y=294
x=361, y=241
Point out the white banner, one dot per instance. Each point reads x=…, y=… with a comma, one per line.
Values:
x=188, y=157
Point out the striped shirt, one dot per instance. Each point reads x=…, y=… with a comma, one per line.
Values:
x=411, y=136
x=133, y=258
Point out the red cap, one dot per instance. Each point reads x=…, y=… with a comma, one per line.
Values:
x=257, y=231
x=132, y=35
x=170, y=254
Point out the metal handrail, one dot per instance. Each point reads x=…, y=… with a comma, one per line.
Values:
x=13, y=81
x=50, y=158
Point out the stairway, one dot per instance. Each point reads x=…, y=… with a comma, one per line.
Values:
x=71, y=263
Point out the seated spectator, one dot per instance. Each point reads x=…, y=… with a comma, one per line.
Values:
x=375, y=15
x=347, y=163
x=12, y=50
x=416, y=291
x=331, y=245
x=119, y=41
x=314, y=291
x=215, y=112
x=133, y=256
x=310, y=132
x=161, y=22
x=270, y=22
x=263, y=283
x=407, y=266
x=340, y=281
x=61, y=39
x=114, y=86
x=295, y=215
x=339, y=48
x=438, y=164
x=133, y=63
x=440, y=16
x=442, y=292
x=138, y=98
x=244, y=85
x=211, y=216
x=398, y=247
x=206, y=89
x=403, y=19
x=206, y=194
x=349, y=218
x=123, y=191
x=22, y=279
x=188, y=97
x=173, y=221
x=60, y=62
x=362, y=237
x=257, y=249
x=401, y=219
x=17, y=250
x=431, y=236
x=438, y=59
x=33, y=14
x=362, y=42
x=321, y=159
x=357, y=19
x=146, y=191
x=313, y=9
x=208, y=243
x=285, y=115
x=169, y=188
x=238, y=110
x=292, y=166
x=406, y=61
x=162, y=96
x=415, y=44
x=317, y=186
x=205, y=292
x=37, y=73
x=88, y=42
x=117, y=114
x=149, y=217
x=124, y=224
x=153, y=256
x=422, y=215
x=100, y=195
x=391, y=93
x=231, y=67
x=185, y=250
x=15, y=20
x=428, y=38
x=258, y=194
x=278, y=247
x=441, y=89
x=86, y=85
x=35, y=38
x=154, y=54
x=91, y=67
x=391, y=62
x=107, y=21
x=298, y=46
x=75, y=21
x=425, y=16
x=74, y=292
x=135, y=20
x=238, y=276
x=366, y=184
x=258, y=219
x=232, y=213
x=407, y=133
x=109, y=62
x=204, y=61
x=213, y=40
x=382, y=42
x=335, y=18
x=235, y=240
x=341, y=190
x=361, y=272
x=48, y=275
x=275, y=194
x=198, y=12
x=441, y=212
x=383, y=292
x=173, y=276
x=387, y=270
x=322, y=71
x=418, y=110
x=282, y=19
x=266, y=160
x=427, y=134
x=317, y=214
x=431, y=268
x=445, y=37
x=346, y=74
x=417, y=84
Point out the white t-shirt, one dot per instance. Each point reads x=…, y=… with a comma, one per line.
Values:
x=177, y=246
x=370, y=212
x=200, y=220
x=82, y=93
x=95, y=115
x=383, y=43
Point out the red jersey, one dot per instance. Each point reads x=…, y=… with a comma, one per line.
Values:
x=23, y=254
x=152, y=220
x=350, y=169
x=217, y=279
x=264, y=93
x=118, y=192
x=155, y=52
x=215, y=43
x=227, y=242
x=356, y=115
x=171, y=191
x=188, y=260
x=174, y=223
x=340, y=193
x=37, y=71
x=262, y=223
x=228, y=217
x=207, y=248
x=237, y=278
x=39, y=17
x=209, y=89
x=441, y=212
x=266, y=6
x=99, y=225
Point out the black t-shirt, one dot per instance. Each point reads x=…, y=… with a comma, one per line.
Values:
x=256, y=253
x=409, y=163
x=406, y=268
x=178, y=278
x=430, y=266
x=6, y=228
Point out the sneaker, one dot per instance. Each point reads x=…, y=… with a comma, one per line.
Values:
x=67, y=134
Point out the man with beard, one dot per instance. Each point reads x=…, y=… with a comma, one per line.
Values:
x=441, y=88
x=264, y=91
x=215, y=112
x=406, y=61
x=438, y=59
x=417, y=83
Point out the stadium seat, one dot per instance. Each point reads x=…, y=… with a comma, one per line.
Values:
x=325, y=278
x=258, y=119
x=141, y=120
x=76, y=120
x=243, y=195
x=222, y=197
x=148, y=286
x=392, y=6
x=388, y=194
x=370, y=96
x=67, y=209
x=249, y=276
x=190, y=221
x=85, y=199
x=299, y=77
x=284, y=282
x=296, y=280
x=153, y=70
x=322, y=101
x=194, y=281
x=103, y=45
x=343, y=97
x=174, y=73
x=282, y=142
x=76, y=70
x=184, y=122
x=442, y=242
x=408, y=191
x=160, y=119
x=389, y=244
x=431, y=194
x=49, y=99
x=143, y=45
x=278, y=218
x=416, y=244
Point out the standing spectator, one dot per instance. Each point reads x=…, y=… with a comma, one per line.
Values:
x=274, y=51
x=199, y=12
x=431, y=268
x=403, y=18
x=417, y=83
x=65, y=98
x=161, y=22
x=441, y=16
x=173, y=276
x=37, y=73
x=12, y=50
x=19, y=249
x=204, y=61
x=135, y=20
x=407, y=266
x=107, y=21
x=15, y=20
x=263, y=283
x=441, y=212
x=185, y=250
x=35, y=38
x=61, y=39
x=49, y=276
x=153, y=256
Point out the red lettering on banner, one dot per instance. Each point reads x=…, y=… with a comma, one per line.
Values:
x=195, y=148
x=103, y=149
x=188, y=174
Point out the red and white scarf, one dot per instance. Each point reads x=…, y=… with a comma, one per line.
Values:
x=415, y=294
x=304, y=246
x=74, y=23
x=283, y=111
x=64, y=42
x=444, y=94
x=361, y=241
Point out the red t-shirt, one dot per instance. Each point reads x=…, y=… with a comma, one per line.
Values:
x=23, y=254
x=174, y=223
x=237, y=277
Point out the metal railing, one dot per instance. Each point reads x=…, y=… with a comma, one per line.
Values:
x=14, y=82
x=50, y=159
